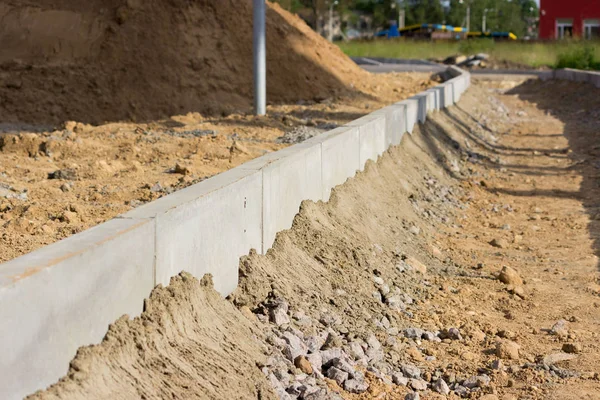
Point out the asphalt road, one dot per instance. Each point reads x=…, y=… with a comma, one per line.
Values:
x=383, y=65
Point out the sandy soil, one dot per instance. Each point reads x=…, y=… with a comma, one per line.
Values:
x=112, y=168
x=418, y=240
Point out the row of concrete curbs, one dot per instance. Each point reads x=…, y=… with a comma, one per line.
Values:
x=65, y=295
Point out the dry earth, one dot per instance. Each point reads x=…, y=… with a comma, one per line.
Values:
x=112, y=168
x=396, y=285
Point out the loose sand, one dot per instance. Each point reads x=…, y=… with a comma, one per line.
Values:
x=515, y=167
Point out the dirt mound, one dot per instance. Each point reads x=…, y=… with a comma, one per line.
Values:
x=187, y=341
x=107, y=60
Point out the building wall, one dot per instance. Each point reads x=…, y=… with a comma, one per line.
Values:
x=577, y=10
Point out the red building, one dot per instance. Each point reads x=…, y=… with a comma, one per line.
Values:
x=561, y=19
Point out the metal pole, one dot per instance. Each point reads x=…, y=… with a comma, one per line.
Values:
x=330, y=35
x=468, y=18
x=260, y=58
x=483, y=21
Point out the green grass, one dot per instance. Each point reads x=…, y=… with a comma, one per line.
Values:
x=534, y=54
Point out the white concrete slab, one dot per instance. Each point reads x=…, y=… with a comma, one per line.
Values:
x=421, y=99
x=372, y=136
x=207, y=227
x=412, y=113
x=433, y=100
x=340, y=157
x=395, y=123
x=65, y=295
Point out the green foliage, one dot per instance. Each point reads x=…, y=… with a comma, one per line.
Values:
x=579, y=57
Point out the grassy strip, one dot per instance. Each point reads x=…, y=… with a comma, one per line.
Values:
x=535, y=54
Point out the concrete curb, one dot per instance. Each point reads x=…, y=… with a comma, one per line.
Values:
x=574, y=75
x=65, y=295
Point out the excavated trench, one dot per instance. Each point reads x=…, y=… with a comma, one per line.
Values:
x=392, y=286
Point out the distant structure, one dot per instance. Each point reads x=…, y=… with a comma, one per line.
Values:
x=560, y=19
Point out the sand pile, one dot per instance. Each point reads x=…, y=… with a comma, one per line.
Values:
x=108, y=60
x=188, y=343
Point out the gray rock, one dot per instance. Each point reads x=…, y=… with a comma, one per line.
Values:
x=337, y=375
x=377, y=296
x=429, y=336
x=355, y=386
x=560, y=328
x=399, y=379
x=313, y=343
x=451, y=333
x=356, y=351
x=315, y=393
x=330, y=354
x=316, y=361
x=384, y=289
x=476, y=381
x=497, y=364
x=295, y=346
x=395, y=302
x=418, y=384
x=385, y=322
x=332, y=341
x=343, y=366
x=461, y=391
x=278, y=313
x=412, y=396
x=411, y=371
x=378, y=280
x=278, y=388
x=66, y=174
x=441, y=387
x=413, y=333
x=393, y=331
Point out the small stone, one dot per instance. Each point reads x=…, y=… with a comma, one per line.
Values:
x=295, y=347
x=316, y=361
x=331, y=354
x=337, y=375
x=413, y=333
x=560, y=328
x=476, y=381
x=399, y=379
x=356, y=351
x=461, y=391
x=182, y=169
x=378, y=280
x=573, y=348
x=355, y=386
x=415, y=230
x=412, y=396
x=430, y=336
x=507, y=349
x=411, y=371
x=499, y=243
x=332, y=341
x=451, y=333
x=303, y=365
x=441, y=387
x=497, y=365
x=278, y=313
x=66, y=187
x=418, y=384
x=67, y=174
x=510, y=276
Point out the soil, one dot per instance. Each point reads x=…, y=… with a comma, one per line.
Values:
x=131, y=60
x=420, y=239
x=109, y=169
